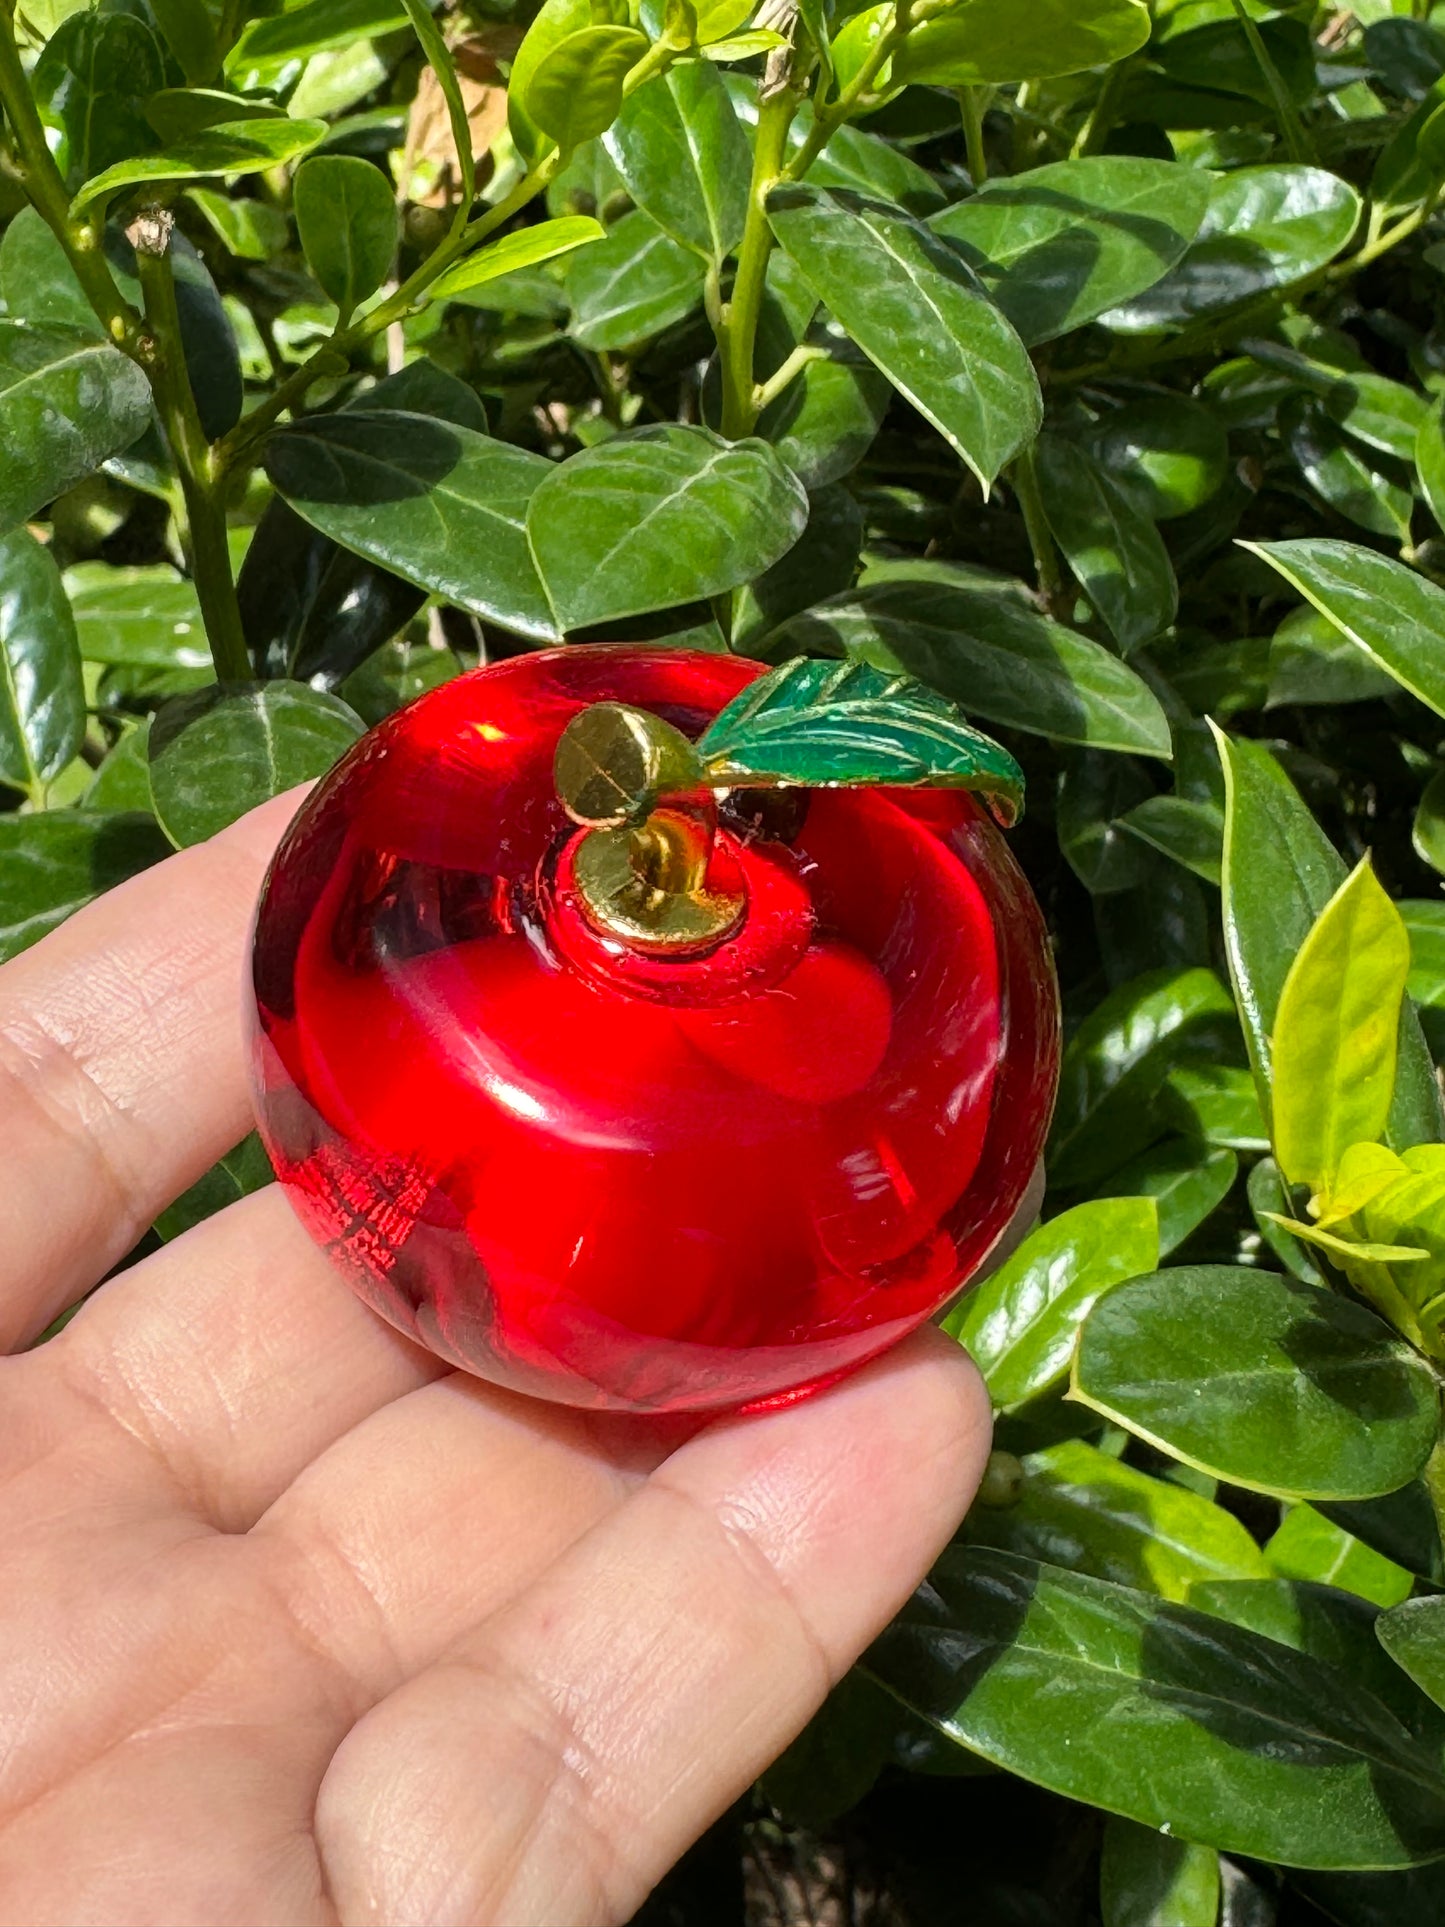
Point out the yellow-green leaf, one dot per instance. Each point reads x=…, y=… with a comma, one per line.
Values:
x=1363, y=1172
x=528, y=247
x=1336, y=1032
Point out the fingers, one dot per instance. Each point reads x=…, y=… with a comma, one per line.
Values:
x=217, y=1370
x=121, y=1065
x=558, y=1759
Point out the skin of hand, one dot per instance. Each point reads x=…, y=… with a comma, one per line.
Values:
x=300, y=1626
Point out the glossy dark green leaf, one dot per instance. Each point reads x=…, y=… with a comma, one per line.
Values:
x=1414, y=1637
x=232, y=1177
x=1173, y=453
x=1215, y=1104
x=42, y=701
x=67, y=401
x=1058, y=245
x=1116, y=1063
x=918, y=311
x=1377, y=413
x=825, y=420
x=190, y=33
x=1411, y=164
x=684, y=158
x=1348, y=480
x=1311, y=662
x=347, y=220
x=123, y=780
x=1020, y=1324
x=632, y=285
x=1171, y=1717
x=144, y=616
x=576, y=91
x=55, y=861
x=1333, y=1626
x=1150, y=1879
x=657, y=517
x=178, y=112
x=91, y=85
x=823, y=723
x=435, y=503
x=1425, y=921
x=1095, y=790
x=1310, y=1547
x=213, y=360
x=1186, y=1180
x=822, y=562
x=995, y=657
x=218, y=753
x=1190, y=832
x=838, y=1755
x=1429, y=447
x=1219, y=55
x=1081, y=1509
x=230, y=147
x=1109, y=541
x=313, y=27
x=862, y=163
x=1391, y=612
x=1265, y=227
x=990, y=41
x=1260, y=1380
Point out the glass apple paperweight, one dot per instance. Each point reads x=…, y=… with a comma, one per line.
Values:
x=645, y=1031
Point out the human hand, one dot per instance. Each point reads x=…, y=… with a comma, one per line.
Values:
x=298, y=1624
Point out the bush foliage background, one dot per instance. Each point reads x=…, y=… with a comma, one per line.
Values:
x=1081, y=357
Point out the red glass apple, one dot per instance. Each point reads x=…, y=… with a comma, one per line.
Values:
x=628, y=1172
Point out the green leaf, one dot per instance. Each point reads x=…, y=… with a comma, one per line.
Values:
x=1116, y=1063
x=67, y=401
x=123, y=780
x=1425, y=922
x=525, y=248
x=178, y=112
x=993, y=42
x=1336, y=1029
x=1391, y=612
x=148, y=616
x=1170, y=1717
x=231, y=147
x=1266, y=227
x=1215, y=1104
x=1347, y=480
x=1380, y=414
x=1414, y=1637
x=1311, y=662
x=346, y=218
x=918, y=311
x=191, y=36
x=1110, y=543
x=55, y=861
x=1149, y=1879
x=822, y=561
x=218, y=753
x=1081, y=1509
x=312, y=28
x=1333, y=1626
x=551, y=24
x=438, y=504
x=1261, y=1380
x=1172, y=453
x=42, y=700
x=91, y=85
x=576, y=90
x=1429, y=449
x=1280, y=870
x=632, y=285
x=824, y=723
x=251, y=230
x=1020, y=1324
x=1186, y=1180
x=684, y=158
x=1058, y=245
x=37, y=283
x=657, y=517
x=1191, y=833
x=1309, y=1546
x=991, y=654
x=439, y=59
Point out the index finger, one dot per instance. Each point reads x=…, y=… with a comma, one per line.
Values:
x=122, y=1065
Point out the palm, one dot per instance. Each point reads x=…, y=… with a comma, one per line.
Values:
x=299, y=1626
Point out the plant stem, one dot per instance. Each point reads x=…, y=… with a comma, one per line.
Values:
x=740, y=317
x=827, y=120
x=203, y=492
x=1096, y=129
x=971, y=103
x=1047, y=568
x=42, y=182
x=1434, y=1479
x=786, y=372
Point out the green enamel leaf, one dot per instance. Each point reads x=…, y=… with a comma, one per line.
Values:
x=827, y=723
